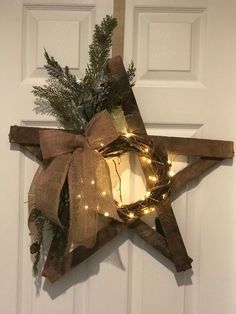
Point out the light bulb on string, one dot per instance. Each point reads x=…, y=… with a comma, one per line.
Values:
x=169, y=162
x=171, y=173
x=164, y=196
x=131, y=215
x=128, y=134
x=153, y=178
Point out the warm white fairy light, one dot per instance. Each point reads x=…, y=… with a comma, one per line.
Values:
x=148, y=193
x=153, y=178
x=171, y=173
x=164, y=195
x=148, y=160
x=146, y=211
x=102, y=144
x=120, y=204
x=169, y=162
x=131, y=215
x=104, y=193
x=146, y=150
x=128, y=134
x=152, y=209
x=79, y=196
x=106, y=214
x=86, y=207
x=92, y=182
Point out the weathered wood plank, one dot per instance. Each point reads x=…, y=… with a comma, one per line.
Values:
x=54, y=270
x=118, y=33
x=174, y=239
x=24, y=135
x=191, y=172
x=167, y=220
x=151, y=237
x=184, y=146
x=196, y=147
x=130, y=107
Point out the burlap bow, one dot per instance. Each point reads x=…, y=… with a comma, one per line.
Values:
x=90, y=191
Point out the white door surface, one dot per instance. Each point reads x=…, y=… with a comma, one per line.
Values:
x=184, y=51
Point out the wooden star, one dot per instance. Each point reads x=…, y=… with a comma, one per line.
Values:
x=166, y=238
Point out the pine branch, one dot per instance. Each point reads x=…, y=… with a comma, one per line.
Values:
x=100, y=47
x=63, y=76
x=75, y=103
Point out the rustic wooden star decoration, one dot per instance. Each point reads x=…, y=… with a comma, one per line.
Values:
x=166, y=238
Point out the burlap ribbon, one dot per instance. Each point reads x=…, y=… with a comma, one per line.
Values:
x=76, y=157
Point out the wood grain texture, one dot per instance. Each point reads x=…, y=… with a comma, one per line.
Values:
x=174, y=240
x=151, y=237
x=130, y=108
x=54, y=270
x=167, y=220
x=192, y=172
x=119, y=31
x=29, y=136
x=196, y=147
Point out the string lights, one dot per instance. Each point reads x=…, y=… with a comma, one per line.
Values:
x=158, y=169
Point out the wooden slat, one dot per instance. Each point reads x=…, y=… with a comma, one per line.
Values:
x=130, y=108
x=53, y=270
x=131, y=111
x=174, y=239
x=184, y=146
x=196, y=147
x=167, y=219
x=191, y=172
x=118, y=34
x=151, y=237
x=24, y=135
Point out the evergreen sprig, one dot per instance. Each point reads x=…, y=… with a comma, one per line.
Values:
x=74, y=103
x=100, y=47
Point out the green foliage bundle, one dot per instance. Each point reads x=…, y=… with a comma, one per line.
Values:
x=74, y=102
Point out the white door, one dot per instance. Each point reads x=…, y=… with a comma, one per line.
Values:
x=185, y=86
x=184, y=53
